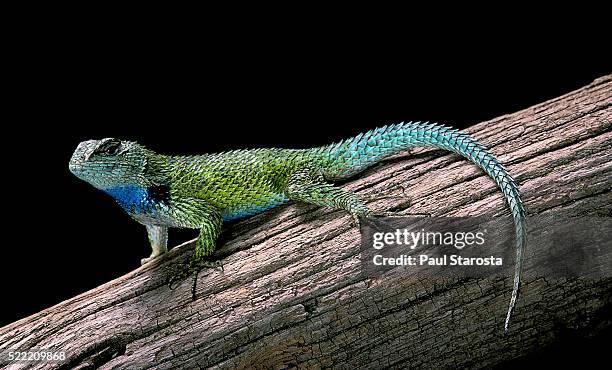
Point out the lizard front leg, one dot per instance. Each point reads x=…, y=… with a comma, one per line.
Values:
x=206, y=242
x=158, y=237
x=198, y=213
x=306, y=186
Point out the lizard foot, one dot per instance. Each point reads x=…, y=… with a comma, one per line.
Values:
x=359, y=214
x=153, y=256
x=356, y=221
x=147, y=260
x=193, y=268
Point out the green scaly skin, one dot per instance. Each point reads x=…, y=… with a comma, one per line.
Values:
x=202, y=191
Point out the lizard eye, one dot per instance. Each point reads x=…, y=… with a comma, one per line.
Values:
x=111, y=150
x=110, y=147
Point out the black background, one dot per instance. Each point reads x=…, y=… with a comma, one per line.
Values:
x=189, y=90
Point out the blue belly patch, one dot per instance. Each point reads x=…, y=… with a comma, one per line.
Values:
x=254, y=209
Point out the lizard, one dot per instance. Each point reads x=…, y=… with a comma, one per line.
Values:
x=204, y=191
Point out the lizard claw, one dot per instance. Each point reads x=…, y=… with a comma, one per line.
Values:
x=194, y=285
x=358, y=215
x=153, y=256
x=174, y=281
x=196, y=267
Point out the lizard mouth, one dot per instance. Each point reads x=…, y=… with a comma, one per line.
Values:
x=80, y=156
x=75, y=165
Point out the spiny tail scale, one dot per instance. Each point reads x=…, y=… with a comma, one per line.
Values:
x=354, y=155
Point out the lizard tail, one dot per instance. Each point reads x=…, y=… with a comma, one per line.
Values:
x=354, y=155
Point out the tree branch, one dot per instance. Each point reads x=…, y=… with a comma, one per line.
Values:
x=291, y=292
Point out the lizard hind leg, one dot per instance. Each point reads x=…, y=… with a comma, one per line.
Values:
x=309, y=188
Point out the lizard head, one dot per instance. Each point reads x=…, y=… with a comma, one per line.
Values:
x=109, y=163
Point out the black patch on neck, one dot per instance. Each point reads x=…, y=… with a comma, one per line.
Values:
x=159, y=193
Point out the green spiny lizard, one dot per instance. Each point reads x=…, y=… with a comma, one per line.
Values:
x=202, y=191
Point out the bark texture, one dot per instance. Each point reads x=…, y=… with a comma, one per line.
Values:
x=291, y=292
